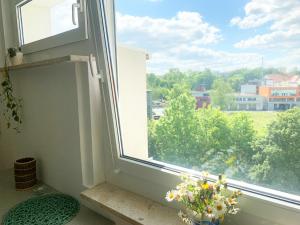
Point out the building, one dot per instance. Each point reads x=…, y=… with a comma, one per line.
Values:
x=249, y=89
x=133, y=101
x=282, y=91
x=280, y=98
x=251, y=102
x=248, y=99
x=281, y=80
x=202, y=97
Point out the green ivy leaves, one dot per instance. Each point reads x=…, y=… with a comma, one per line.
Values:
x=11, y=105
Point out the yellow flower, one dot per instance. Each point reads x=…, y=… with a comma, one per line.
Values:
x=205, y=186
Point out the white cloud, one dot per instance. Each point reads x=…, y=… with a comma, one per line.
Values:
x=275, y=39
x=186, y=58
x=183, y=41
x=185, y=27
x=290, y=61
x=258, y=13
x=282, y=17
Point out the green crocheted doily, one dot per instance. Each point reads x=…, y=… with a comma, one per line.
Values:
x=49, y=209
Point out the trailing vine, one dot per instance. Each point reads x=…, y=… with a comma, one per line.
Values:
x=11, y=105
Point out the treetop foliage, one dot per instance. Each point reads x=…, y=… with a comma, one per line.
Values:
x=159, y=84
x=222, y=142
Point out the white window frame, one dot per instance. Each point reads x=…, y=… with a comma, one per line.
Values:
x=67, y=37
x=154, y=181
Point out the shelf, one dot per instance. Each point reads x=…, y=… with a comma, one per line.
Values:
x=69, y=58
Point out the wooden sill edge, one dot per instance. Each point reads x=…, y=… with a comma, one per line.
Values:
x=153, y=214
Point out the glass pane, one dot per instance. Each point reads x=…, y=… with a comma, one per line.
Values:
x=40, y=19
x=212, y=85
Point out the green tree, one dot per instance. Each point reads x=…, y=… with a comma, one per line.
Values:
x=159, y=92
x=174, y=136
x=236, y=81
x=242, y=76
x=214, y=130
x=188, y=137
x=222, y=94
x=174, y=77
x=153, y=80
x=152, y=139
x=215, y=139
x=277, y=158
x=160, y=85
x=242, y=136
x=203, y=78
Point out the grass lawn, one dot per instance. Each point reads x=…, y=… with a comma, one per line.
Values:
x=261, y=119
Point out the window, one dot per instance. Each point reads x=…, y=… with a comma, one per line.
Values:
x=168, y=53
x=57, y=22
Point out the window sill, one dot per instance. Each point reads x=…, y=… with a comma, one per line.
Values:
x=68, y=58
x=255, y=209
x=132, y=208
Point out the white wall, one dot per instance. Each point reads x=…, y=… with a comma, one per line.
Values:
x=57, y=125
x=52, y=117
x=133, y=101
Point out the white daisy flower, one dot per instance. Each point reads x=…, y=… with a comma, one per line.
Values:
x=171, y=195
x=219, y=209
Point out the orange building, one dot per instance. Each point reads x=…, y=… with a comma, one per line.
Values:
x=280, y=97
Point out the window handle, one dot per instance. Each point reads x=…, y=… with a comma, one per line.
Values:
x=76, y=6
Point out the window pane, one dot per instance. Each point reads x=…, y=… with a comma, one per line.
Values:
x=212, y=85
x=40, y=19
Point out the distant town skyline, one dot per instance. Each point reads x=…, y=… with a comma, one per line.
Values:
x=221, y=35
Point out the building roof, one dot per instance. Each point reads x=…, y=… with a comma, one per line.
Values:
x=282, y=78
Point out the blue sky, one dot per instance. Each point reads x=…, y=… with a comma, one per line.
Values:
x=218, y=34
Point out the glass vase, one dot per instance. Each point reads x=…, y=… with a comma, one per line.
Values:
x=205, y=222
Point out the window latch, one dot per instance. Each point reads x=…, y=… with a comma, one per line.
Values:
x=75, y=7
x=94, y=69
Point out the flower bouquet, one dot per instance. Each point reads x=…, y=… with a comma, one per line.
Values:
x=204, y=203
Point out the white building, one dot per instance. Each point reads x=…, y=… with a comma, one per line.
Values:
x=248, y=99
x=133, y=100
x=251, y=102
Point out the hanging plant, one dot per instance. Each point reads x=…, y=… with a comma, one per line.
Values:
x=11, y=105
